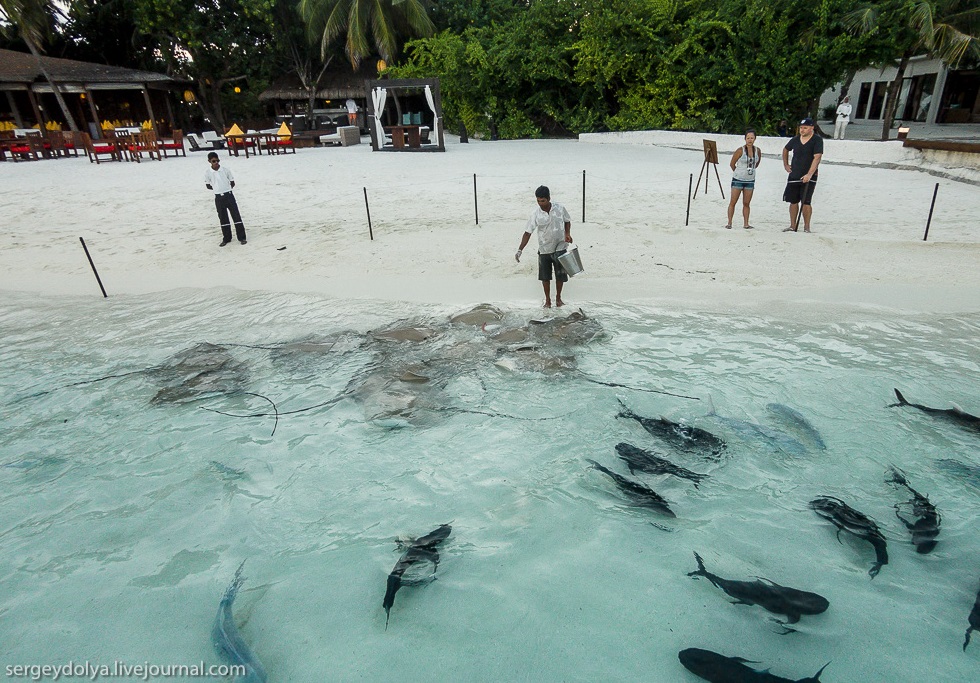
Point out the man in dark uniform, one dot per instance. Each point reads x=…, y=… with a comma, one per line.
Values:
x=807, y=150
x=219, y=180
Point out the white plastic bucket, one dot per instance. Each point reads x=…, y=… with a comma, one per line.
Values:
x=571, y=261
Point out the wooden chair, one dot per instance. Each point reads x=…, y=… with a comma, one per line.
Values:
x=28, y=148
x=281, y=144
x=238, y=144
x=102, y=148
x=286, y=145
x=73, y=142
x=174, y=144
x=140, y=144
x=54, y=143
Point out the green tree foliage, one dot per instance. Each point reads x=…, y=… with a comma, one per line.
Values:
x=514, y=77
x=459, y=15
x=216, y=44
x=368, y=26
x=104, y=32
x=713, y=65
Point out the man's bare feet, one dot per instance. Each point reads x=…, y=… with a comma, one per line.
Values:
x=547, y=303
x=559, y=302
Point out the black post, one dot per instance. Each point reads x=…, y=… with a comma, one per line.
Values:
x=933, y=206
x=583, y=196
x=92, y=263
x=476, y=209
x=368, y=208
x=690, y=184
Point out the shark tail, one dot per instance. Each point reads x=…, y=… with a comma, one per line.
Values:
x=700, y=571
x=597, y=466
x=967, y=641
x=625, y=412
x=897, y=477
x=232, y=591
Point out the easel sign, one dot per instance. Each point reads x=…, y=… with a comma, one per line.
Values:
x=710, y=152
x=710, y=157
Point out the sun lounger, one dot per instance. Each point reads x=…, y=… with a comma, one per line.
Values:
x=214, y=140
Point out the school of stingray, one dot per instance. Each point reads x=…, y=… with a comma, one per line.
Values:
x=403, y=381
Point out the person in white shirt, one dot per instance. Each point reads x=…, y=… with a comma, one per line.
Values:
x=221, y=182
x=351, y=111
x=554, y=226
x=843, y=118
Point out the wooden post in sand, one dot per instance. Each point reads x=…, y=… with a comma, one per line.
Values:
x=931, y=207
x=368, y=208
x=476, y=209
x=690, y=184
x=92, y=263
x=583, y=196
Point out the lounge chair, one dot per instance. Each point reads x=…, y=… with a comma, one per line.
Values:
x=213, y=139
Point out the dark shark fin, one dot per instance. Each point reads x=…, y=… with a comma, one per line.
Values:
x=816, y=677
x=700, y=571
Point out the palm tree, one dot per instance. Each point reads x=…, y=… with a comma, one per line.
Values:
x=30, y=17
x=946, y=29
x=387, y=21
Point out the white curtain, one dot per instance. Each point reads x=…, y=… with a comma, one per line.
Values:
x=435, y=115
x=379, y=96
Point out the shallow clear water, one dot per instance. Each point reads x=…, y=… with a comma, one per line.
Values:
x=123, y=518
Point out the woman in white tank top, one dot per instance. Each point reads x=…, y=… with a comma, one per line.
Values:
x=745, y=161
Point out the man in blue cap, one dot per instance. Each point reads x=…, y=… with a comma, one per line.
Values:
x=807, y=150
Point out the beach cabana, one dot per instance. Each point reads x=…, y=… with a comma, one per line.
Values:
x=291, y=102
x=405, y=115
x=93, y=92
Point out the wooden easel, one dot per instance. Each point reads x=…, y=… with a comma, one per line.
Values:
x=710, y=157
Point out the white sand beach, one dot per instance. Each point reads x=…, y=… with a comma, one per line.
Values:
x=152, y=226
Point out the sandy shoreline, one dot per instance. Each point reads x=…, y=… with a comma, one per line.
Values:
x=152, y=227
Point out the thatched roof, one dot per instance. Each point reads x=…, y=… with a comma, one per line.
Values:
x=21, y=68
x=338, y=83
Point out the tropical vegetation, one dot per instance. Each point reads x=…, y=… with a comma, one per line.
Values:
x=519, y=68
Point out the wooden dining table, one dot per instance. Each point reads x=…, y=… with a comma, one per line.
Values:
x=247, y=142
x=400, y=135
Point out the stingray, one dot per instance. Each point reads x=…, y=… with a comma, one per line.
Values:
x=202, y=370
x=574, y=329
x=478, y=316
x=403, y=331
x=535, y=359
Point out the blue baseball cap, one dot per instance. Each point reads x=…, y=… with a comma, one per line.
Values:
x=806, y=122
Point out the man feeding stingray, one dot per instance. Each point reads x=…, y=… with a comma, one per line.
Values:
x=554, y=227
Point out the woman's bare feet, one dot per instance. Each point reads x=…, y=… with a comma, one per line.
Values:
x=547, y=303
x=559, y=302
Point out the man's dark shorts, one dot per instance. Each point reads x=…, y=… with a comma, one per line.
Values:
x=548, y=261
x=796, y=190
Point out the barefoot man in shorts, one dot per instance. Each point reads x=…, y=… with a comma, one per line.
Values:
x=807, y=150
x=554, y=226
